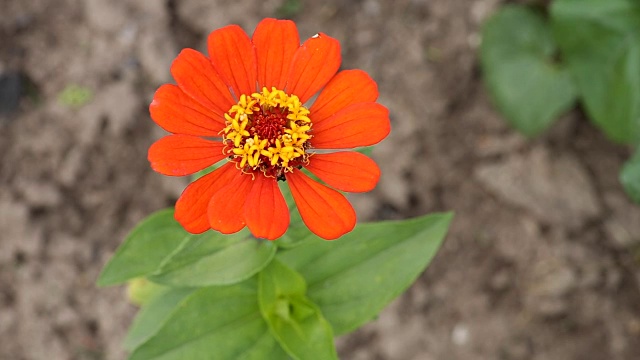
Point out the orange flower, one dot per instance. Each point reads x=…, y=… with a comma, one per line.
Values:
x=246, y=103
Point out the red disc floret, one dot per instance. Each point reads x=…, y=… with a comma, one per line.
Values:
x=269, y=124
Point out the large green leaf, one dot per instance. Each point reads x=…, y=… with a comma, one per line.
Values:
x=153, y=315
x=600, y=41
x=517, y=57
x=144, y=249
x=222, y=322
x=294, y=320
x=630, y=177
x=215, y=259
x=354, y=277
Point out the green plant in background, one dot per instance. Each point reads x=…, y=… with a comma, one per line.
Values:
x=537, y=68
x=289, y=8
x=75, y=96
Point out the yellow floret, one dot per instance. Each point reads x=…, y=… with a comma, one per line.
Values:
x=258, y=152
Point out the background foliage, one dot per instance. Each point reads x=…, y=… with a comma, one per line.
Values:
x=537, y=66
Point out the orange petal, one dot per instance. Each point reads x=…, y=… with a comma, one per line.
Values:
x=266, y=210
x=346, y=88
x=191, y=207
x=178, y=113
x=234, y=57
x=314, y=64
x=196, y=76
x=346, y=171
x=359, y=124
x=226, y=208
x=179, y=155
x=276, y=41
x=326, y=212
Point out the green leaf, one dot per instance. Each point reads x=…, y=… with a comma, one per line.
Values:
x=600, y=41
x=221, y=322
x=353, y=278
x=215, y=259
x=144, y=249
x=630, y=177
x=517, y=57
x=153, y=315
x=294, y=320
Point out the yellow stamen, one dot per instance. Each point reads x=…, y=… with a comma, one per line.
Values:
x=274, y=153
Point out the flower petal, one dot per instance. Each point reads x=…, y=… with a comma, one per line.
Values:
x=196, y=76
x=179, y=155
x=276, y=41
x=226, y=208
x=314, y=64
x=178, y=113
x=346, y=88
x=191, y=207
x=234, y=57
x=359, y=124
x=326, y=212
x=346, y=171
x=266, y=210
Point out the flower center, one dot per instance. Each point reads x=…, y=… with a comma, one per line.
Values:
x=267, y=132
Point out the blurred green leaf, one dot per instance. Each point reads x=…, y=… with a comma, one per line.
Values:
x=221, y=322
x=600, y=41
x=151, y=241
x=353, y=278
x=75, y=96
x=517, y=57
x=153, y=315
x=213, y=258
x=630, y=177
x=289, y=8
x=294, y=320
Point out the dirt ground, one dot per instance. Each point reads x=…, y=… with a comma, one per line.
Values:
x=542, y=258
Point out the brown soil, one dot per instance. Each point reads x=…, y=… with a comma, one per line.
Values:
x=541, y=261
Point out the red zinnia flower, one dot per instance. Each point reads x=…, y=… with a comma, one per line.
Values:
x=249, y=96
